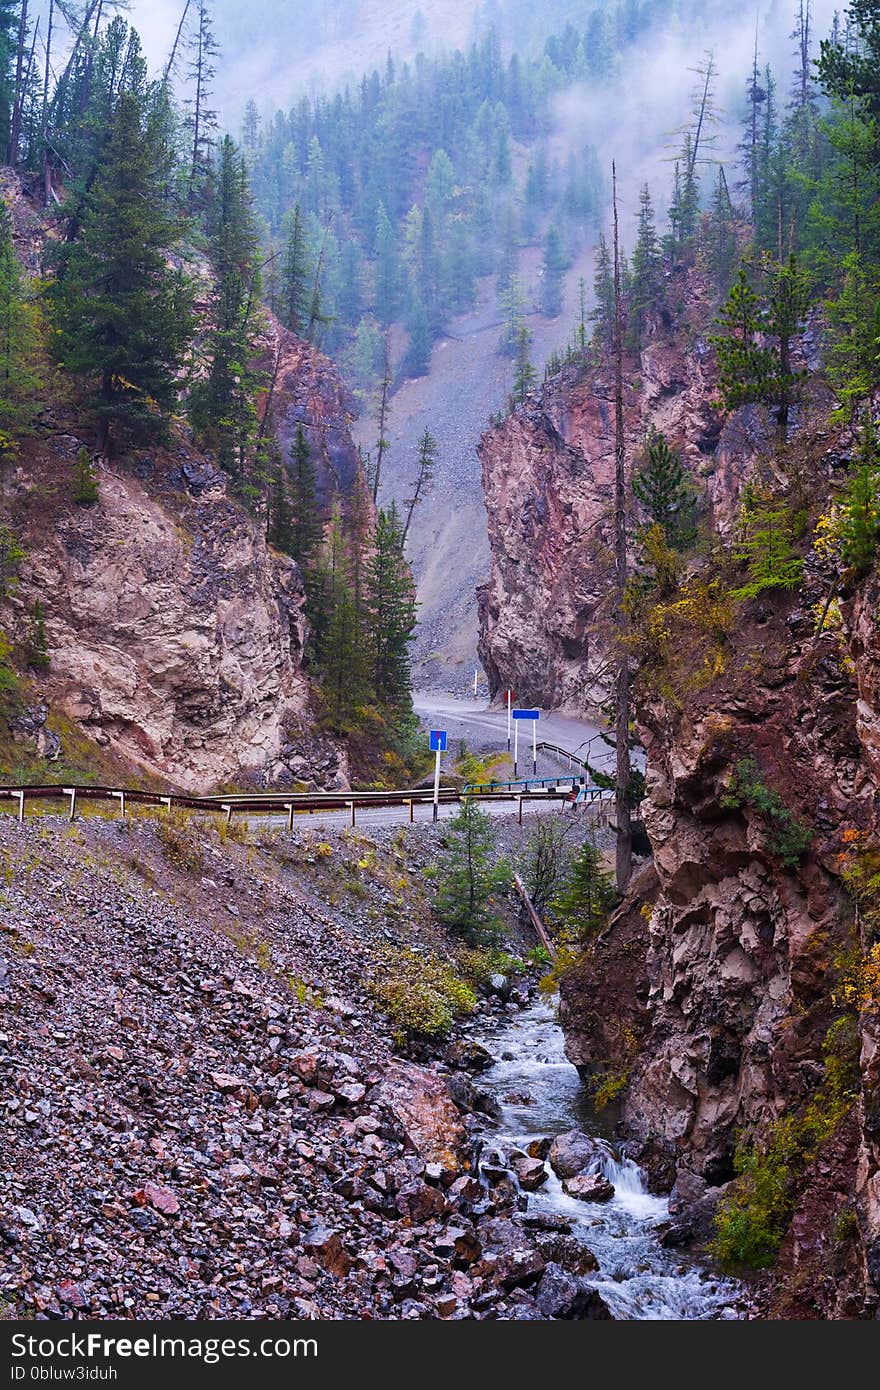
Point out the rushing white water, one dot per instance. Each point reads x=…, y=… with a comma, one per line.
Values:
x=540, y=1094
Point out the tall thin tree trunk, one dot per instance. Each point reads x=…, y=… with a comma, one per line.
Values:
x=197, y=108
x=174, y=47
x=15, y=129
x=382, y=442
x=44, y=129
x=622, y=696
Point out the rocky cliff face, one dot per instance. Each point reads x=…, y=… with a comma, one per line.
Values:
x=175, y=634
x=714, y=986
x=716, y=992
x=548, y=476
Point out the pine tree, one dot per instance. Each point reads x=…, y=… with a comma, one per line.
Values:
x=20, y=337
x=764, y=545
x=427, y=462
x=279, y=514
x=391, y=608
x=9, y=15
x=553, y=271
x=513, y=310
x=307, y=529
x=853, y=356
x=663, y=488
x=338, y=639
x=470, y=876
x=417, y=360
x=721, y=245
x=202, y=120
x=382, y=413
x=387, y=268
x=647, y=289
x=85, y=484
x=525, y=376
x=583, y=907
x=296, y=276
x=122, y=314
x=859, y=524
x=603, y=290
x=754, y=345
x=222, y=402
x=37, y=644
x=251, y=126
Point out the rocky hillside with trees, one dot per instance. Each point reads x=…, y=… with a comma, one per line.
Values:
x=195, y=581
x=684, y=524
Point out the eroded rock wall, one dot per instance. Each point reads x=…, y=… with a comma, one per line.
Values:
x=548, y=477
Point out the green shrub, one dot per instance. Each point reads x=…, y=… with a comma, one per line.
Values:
x=754, y=1216
x=421, y=995
x=180, y=841
x=786, y=837
x=85, y=484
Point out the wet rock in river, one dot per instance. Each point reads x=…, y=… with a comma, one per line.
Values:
x=530, y=1172
x=571, y=1153
x=563, y=1295
x=565, y=1250
x=467, y=1055
x=589, y=1187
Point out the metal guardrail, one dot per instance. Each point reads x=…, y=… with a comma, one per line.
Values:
x=252, y=803
x=571, y=758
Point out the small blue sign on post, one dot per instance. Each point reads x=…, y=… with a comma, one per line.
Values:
x=438, y=740
x=532, y=715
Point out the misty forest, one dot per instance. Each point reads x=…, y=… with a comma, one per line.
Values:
x=439, y=660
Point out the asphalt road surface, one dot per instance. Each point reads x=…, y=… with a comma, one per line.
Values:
x=484, y=729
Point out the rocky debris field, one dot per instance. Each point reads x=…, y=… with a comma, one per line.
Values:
x=203, y=1115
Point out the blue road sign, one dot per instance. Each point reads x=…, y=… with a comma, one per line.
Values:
x=526, y=714
x=438, y=740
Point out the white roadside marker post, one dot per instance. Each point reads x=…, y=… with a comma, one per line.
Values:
x=509, y=721
x=533, y=715
x=437, y=740
x=475, y=684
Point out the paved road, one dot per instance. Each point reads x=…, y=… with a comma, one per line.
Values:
x=484, y=728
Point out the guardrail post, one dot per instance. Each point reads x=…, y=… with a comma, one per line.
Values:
x=165, y=801
x=71, y=792
x=352, y=805
x=20, y=796
x=412, y=809
x=520, y=802
x=120, y=797
x=227, y=807
x=289, y=809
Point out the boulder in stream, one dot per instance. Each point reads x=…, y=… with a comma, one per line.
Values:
x=564, y=1295
x=530, y=1172
x=572, y=1152
x=589, y=1187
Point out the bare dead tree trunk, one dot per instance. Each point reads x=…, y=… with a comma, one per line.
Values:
x=197, y=107
x=15, y=128
x=704, y=106
x=44, y=129
x=174, y=47
x=622, y=694
x=382, y=442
